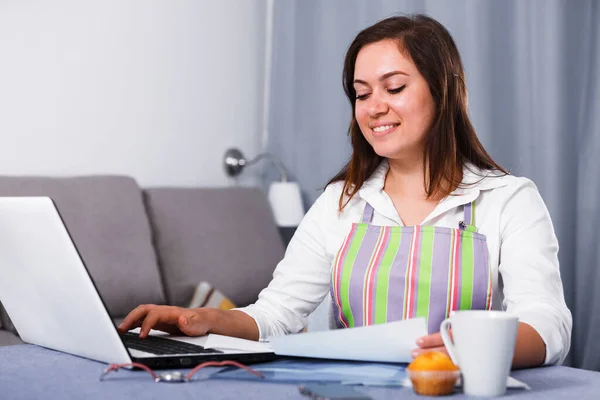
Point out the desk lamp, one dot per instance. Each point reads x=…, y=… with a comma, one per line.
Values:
x=284, y=196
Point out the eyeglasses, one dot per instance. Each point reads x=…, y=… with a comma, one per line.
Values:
x=176, y=376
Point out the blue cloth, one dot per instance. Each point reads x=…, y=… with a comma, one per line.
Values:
x=32, y=372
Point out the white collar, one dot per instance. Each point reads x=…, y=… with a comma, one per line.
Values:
x=474, y=181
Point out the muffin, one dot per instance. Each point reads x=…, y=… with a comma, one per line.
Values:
x=433, y=374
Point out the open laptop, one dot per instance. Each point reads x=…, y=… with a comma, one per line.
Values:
x=53, y=302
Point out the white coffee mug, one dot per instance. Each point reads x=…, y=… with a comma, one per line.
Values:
x=483, y=346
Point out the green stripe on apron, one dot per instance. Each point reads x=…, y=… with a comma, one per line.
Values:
x=467, y=268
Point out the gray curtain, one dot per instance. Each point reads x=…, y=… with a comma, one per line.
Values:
x=533, y=73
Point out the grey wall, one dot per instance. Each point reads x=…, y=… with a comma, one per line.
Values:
x=156, y=89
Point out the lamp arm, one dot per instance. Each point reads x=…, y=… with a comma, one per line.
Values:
x=276, y=161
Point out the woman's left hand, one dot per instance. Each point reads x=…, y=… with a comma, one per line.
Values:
x=431, y=342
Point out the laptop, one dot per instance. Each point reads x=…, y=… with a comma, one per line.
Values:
x=53, y=302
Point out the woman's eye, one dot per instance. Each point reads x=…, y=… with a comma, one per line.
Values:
x=362, y=96
x=396, y=90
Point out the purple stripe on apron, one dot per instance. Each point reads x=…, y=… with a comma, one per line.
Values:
x=481, y=273
x=357, y=279
x=397, y=278
x=440, y=266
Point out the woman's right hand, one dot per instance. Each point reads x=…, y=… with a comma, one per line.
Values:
x=170, y=319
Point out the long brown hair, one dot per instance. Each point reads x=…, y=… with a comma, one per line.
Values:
x=451, y=141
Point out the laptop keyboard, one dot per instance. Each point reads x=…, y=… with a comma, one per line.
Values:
x=161, y=345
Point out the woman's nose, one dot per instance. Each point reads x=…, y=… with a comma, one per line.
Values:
x=377, y=107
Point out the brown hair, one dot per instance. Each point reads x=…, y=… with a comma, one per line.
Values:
x=451, y=141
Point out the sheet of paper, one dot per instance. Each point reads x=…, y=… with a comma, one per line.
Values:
x=391, y=342
x=221, y=342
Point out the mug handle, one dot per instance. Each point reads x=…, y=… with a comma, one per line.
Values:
x=448, y=341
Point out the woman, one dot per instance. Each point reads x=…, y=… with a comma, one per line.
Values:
x=420, y=222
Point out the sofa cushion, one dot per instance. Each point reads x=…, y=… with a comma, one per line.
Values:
x=224, y=236
x=106, y=218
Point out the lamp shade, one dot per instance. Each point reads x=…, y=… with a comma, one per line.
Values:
x=286, y=203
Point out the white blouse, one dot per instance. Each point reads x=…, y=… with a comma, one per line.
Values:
x=510, y=213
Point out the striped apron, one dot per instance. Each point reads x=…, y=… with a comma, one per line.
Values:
x=389, y=273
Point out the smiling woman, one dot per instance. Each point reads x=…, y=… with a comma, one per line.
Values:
x=421, y=222
x=417, y=160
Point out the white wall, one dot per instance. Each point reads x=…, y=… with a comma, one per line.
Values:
x=149, y=88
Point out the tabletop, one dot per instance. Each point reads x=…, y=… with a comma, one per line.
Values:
x=31, y=372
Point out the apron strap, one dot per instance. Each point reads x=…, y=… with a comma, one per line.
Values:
x=468, y=222
x=367, y=214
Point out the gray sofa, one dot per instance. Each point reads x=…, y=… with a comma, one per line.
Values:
x=154, y=245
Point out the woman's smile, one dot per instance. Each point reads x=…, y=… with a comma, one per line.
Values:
x=380, y=130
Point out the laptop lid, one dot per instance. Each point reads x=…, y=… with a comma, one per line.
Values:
x=45, y=288
x=51, y=298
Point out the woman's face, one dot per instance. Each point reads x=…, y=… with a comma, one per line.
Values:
x=394, y=107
